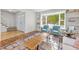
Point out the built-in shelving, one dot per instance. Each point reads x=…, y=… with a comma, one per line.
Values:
x=73, y=18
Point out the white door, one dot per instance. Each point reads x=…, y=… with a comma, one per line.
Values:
x=21, y=22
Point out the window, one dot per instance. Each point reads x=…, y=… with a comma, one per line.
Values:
x=53, y=19
x=62, y=19
x=62, y=16
x=44, y=20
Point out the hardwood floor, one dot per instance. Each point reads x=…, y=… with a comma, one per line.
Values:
x=14, y=41
x=8, y=37
x=17, y=40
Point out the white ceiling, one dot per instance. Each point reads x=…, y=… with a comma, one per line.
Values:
x=35, y=10
x=21, y=10
x=39, y=10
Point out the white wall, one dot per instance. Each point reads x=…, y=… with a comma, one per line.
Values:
x=0, y=21
x=30, y=24
x=8, y=18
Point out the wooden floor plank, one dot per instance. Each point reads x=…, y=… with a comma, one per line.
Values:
x=8, y=37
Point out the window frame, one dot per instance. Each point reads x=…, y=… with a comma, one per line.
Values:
x=55, y=13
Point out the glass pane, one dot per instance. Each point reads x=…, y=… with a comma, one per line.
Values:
x=43, y=20
x=62, y=16
x=61, y=22
x=53, y=19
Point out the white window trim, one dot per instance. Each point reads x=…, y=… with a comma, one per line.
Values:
x=47, y=14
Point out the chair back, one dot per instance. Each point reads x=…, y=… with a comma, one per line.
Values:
x=57, y=28
x=46, y=27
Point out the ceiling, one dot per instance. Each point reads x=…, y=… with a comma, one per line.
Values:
x=22, y=10
x=39, y=10
x=35, y=10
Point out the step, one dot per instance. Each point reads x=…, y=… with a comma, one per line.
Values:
x=11, y=29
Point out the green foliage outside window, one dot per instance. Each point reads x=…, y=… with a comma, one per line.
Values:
x=62, y=16
x=62, y=23
x=53, y=19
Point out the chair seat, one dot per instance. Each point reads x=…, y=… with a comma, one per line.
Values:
x=54, y=31
x=45, y=28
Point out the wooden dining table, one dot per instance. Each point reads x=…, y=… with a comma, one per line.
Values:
x=33, y=43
